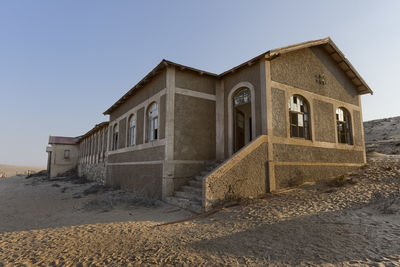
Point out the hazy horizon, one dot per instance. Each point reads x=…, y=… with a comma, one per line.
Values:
x=64, y=63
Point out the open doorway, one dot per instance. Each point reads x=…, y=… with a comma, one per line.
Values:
x=242, y=119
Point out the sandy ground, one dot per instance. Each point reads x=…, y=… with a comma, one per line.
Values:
x=351, y=222
x=12, y=170
x=383, y=135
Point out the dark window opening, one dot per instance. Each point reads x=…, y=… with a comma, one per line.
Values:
x=299, y=118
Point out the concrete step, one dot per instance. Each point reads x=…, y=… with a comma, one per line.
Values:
x=204, y=173
x=188, y=188
x=198, y=178
x=189, y=195
x=185, y=204
x=209, y=168
x=196, y=183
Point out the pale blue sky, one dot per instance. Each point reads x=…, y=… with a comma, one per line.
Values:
x=63, y=63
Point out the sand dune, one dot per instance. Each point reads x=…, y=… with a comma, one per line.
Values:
x=12, y=170
x=383, y=135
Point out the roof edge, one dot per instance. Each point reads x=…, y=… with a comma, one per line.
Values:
x=269, y=55
x=94, y=129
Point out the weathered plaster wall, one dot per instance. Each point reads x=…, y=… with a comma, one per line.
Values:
x=249, y=74
x=279, y=107
x=293, y=175
x=143, y=179
x=140, y=130
x=148, y=154
x=299, y=69
x=194, y=132
x=155, y=85
x=242, y=176
x=59, y=164
x=297, y=153
x=358, y=140
x=193, y=81
x=122, y=133
x=163, y=116
x=324, y=121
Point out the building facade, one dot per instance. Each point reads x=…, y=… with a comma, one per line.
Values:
x=195, y=138
x=62, y=155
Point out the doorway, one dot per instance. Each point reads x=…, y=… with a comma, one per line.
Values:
x=242, y=122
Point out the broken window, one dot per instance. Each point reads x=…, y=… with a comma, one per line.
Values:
x=242, y=97
x=299, y=116
x=343, y=123
x=115, y=138
x=152, y=122
x=66, y=154
x=131, y=130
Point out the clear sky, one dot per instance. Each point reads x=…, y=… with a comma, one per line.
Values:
x=63, y=63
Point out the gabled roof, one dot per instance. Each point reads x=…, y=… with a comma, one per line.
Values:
x=326, y=43
x=332, y=50
x=162, y=65
x=63, y=140
x=94, y=129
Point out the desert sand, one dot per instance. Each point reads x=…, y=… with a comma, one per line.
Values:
x=12, y=170
x=353, y=221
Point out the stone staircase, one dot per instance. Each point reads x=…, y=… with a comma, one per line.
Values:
x=190, y=195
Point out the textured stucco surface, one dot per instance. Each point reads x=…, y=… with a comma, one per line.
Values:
x=357, y=128
x=194, y=81
x=140, y=126
x=155, y=85
x=240, y=177
x=323, y=118
x=122, y=133
x=249, y=74
x=163, y=116
x=58, y=163
x=148, y=154
x=294, y=153
x=194, y=132
x=292, y=175
x=279, y=107
x=143, y=179
x=299, y=69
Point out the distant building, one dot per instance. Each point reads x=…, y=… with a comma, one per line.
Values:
x=195, y=139
x=62, y=154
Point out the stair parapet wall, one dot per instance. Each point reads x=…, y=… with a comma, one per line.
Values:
x=243, y=175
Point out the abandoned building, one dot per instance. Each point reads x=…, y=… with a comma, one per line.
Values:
x=196, y=139
x=62, y=155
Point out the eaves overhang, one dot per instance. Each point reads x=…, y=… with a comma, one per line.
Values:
x=326, y=43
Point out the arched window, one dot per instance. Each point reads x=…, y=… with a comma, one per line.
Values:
x=131, y=130
x=152, y=122
x=299, y=115
x=115, y=138
x=343, y=124
x=242, y=97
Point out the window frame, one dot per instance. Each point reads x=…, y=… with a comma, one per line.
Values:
x=152, y=122
x=344, y=136
x=115, y=133
x=131, y=134
x=305, y=111
x=67, y=154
